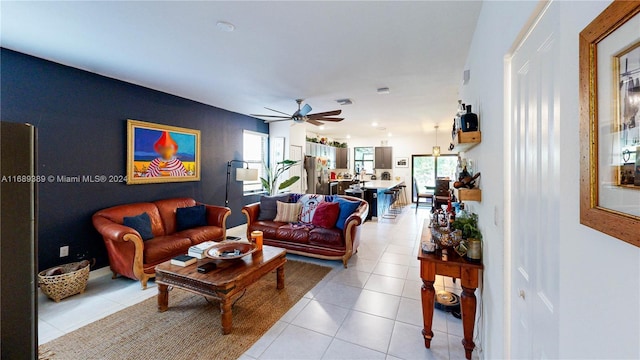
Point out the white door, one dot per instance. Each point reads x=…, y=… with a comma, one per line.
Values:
x=534, y=191
x=295, y=154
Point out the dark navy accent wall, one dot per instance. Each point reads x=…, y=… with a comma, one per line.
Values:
x=81, y=121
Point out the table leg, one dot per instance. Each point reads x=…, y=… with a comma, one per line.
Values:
x=468, y=300
x=226, y=315
x=428, y=300
x=163, y=297
x=280, y=274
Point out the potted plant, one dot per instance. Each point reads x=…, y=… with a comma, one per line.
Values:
x=468, y=225
x=272, y=174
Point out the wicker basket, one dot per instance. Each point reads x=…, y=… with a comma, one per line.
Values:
x=58, y=287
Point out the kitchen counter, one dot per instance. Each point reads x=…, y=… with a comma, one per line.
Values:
x=381, y=184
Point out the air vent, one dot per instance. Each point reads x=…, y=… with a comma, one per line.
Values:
x=344, y=101
x=383, y=90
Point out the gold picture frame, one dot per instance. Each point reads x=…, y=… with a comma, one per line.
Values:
x=605, y=204
x=161, y=154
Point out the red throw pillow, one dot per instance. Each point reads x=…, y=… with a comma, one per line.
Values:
x=326, y=215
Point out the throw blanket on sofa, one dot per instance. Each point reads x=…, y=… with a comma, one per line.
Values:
x=309, y=204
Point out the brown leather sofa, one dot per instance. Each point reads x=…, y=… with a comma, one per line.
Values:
x=330, y=244
x=134, y=258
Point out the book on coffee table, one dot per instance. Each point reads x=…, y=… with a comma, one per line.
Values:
x=183, y=260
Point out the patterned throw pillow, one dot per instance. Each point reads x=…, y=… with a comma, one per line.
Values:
x=326, y=215
x=309, y=204
x=288, y=213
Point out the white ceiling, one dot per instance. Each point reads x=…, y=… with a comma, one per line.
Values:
x=279, y=51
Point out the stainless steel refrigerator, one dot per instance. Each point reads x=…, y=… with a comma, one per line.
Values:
x=19, y=325
x=317, y=169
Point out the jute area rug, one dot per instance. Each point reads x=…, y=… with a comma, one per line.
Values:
x=191, y=328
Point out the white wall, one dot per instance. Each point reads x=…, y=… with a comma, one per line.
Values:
x=599, y=277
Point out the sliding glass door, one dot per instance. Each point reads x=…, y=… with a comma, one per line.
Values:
x=427, y=168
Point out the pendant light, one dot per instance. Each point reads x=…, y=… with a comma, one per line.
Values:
x=436, y=149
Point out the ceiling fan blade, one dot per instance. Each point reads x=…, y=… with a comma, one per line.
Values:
x=331, y=119
x=314, y=122
x=323, y=114
x=305, y=109
x=272, y=116
x=276, y=120
x=279, y=112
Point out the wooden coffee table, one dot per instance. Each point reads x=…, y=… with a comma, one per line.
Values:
x=224, y=283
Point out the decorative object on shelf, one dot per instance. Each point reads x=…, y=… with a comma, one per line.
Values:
x=436, y=148
x=230, y=250
x=466, y=181
x=242, y=174
x=609, y=55
x=313, y=140
x=469, y=121
x=160, y=153
x=273, y=174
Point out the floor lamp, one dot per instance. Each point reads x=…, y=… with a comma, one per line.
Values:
x=242, y=174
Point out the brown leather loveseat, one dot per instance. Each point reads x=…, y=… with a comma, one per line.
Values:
x=305, y=239
x=134, y=258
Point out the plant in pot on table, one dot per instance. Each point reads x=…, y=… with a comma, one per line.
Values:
x=471, y=235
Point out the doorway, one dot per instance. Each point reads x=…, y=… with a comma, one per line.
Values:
x=427, y=168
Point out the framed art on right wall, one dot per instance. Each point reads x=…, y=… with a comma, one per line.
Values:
x=610, y=122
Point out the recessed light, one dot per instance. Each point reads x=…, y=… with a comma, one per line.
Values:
x=348, y=136
x=225, y=26
x=383, y=90
x=389, y=134
x=374, y=124
x=321, y=127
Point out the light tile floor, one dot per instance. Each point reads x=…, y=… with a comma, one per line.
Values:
x=371, y=310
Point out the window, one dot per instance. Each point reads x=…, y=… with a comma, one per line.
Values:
x=363, y=159
x=255, y=150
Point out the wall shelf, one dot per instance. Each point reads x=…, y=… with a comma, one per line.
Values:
x=466, y=140
x=468, y=194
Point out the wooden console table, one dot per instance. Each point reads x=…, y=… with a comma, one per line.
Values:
x=456, y=267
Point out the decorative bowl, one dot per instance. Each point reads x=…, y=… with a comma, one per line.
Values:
x=230, y=250
x=445, y=237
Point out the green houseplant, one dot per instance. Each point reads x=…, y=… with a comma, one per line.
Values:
x=469, y=226
x=270, y=183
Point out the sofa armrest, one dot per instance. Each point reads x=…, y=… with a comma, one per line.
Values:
x=217, y=215
x=111, y=230
x=252, y=212
x=124, y=247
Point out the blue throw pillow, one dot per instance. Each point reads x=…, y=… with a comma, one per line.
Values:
x=269, y=206
x=191, y=217
x=141, y=224
x=346, y=209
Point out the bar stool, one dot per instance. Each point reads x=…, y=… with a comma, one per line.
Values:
x=402, y=197
x=396, y=206
x=388, y=201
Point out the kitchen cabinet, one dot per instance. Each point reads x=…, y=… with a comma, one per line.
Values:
x=342, y=158
x=383, y=157
x=325, y=151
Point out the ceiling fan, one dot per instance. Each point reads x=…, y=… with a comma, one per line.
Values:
x=302, y=115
